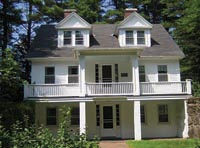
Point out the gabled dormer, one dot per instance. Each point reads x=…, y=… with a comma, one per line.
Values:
x=73, y=31
x=134, y=30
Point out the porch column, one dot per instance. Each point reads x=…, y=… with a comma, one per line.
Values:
x=137, y=121
x=135, y=75
x=186, y=128
x=82, y=121
x=189, y=86
x=82, y=75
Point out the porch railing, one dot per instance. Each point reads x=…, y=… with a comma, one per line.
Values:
x=51, y=90
x=113, y=88
x=149, y=88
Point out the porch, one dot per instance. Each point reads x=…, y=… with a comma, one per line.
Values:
x=121, y=119
x=106, y=89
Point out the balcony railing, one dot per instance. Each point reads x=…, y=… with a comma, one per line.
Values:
x=113, y=88
x=150, y=88
x=51, y=90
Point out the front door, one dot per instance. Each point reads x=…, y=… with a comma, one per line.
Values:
x=106, y=73
x=108, y=129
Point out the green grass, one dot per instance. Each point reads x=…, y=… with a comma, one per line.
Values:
x=189, y=143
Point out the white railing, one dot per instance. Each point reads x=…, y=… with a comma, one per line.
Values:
x=150, y=88
x=113, y=88
x=51, y=90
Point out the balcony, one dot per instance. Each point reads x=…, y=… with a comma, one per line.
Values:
x=106, y=89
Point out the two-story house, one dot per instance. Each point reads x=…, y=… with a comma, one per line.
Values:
x=120, y=80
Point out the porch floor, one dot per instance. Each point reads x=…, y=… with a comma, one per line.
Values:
x=113, y=144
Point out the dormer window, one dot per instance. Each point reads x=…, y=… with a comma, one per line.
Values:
x=129, y=38
x=140, y=38
x=71, y=38
x=135, y=37
x=79, y=38
x=67, y=38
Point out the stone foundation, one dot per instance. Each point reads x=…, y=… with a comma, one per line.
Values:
x=194, y=117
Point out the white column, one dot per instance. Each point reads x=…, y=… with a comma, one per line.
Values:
x=189, y=86
x=186, y=128
x=135, y=76
x=82, y=75
x=82, y=112
x=137, y=121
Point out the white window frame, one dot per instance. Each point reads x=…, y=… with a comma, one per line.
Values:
x=135, y=37
x=73, y=75
x=49, y=75
x=74, y=38
x=160, y=74
x=67, y=38
x=166, y=112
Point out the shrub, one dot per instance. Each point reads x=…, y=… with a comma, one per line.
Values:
x=27, y=136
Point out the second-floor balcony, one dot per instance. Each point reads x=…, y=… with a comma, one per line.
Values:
x=106, y=89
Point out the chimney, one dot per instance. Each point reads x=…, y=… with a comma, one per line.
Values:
x=68, y=11
x=128, y=11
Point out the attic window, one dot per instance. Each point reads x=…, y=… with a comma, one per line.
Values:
x=79, y=38
x=67, y=37
x=129, y=38
x=140, y=38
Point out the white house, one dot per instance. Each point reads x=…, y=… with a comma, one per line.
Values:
x=121, y=80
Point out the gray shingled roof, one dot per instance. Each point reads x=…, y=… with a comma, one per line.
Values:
x=45, y=42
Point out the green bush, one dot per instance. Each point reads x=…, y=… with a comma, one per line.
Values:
x=29, y=136
x=196, y=89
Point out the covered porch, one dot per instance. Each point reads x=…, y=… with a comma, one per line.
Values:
x=119, y=118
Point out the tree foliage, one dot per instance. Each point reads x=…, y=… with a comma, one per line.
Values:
x=26, y=136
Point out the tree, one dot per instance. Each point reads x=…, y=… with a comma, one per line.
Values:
x=11, y=16
x=10, y=80
x=187, y=34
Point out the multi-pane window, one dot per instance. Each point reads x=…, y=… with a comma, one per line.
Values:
x=49, y=75
x=117, y=115
x=75, y=116
x=73, y=74
x=162, y=73
x=67, y=38
x=142, y=73
x=142, y=113
x=140, y=38
x=79, y=38
x=96, y=73
x=163, y=113
x=51, y=116
x=129, y=37
x=97, y=115
x=116, y=73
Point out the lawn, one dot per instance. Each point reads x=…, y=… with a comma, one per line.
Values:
x=189, y=143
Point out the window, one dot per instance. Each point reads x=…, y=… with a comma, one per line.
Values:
x=142, y=73
x=49, y=75
x=75, y=116
x=116, y=73
x=51, y=116
x=162, y=73
x=163, y=113
x=129, y=38
x=67, y=38
x=97, y=115
x=73, y=74
x=117, y=115
x=140, y=38
x=79, y=38
x=142, y=113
